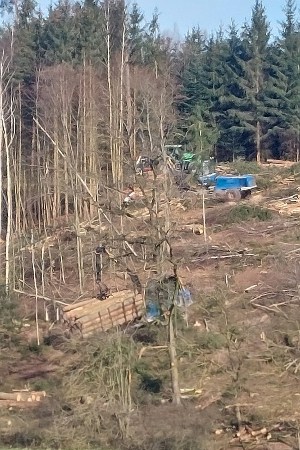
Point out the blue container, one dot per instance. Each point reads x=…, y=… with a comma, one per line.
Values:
x=152, y=311
x=240, y=182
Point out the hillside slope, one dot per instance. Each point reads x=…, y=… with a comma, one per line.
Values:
x=237, y=344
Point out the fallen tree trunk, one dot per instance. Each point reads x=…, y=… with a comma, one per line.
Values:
x=78, y=308
x=23, y=396
x=78, y=305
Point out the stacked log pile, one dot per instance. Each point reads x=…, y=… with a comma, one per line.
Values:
x=93, y=315
x=22, y=398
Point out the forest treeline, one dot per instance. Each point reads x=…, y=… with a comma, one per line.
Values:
x=91, y=85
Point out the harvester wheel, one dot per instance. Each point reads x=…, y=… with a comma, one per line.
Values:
x=233, y=195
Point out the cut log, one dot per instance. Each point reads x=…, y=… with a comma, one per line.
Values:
x=78, y=304
x=11, y=396
x=248, y=289
x=96, y=309
x=122, y=307
x=90, y=331
x=95, y=304
x=89, y=301
x=112, y=312
x=103, y=306
x=108, y=323
x=22, y=396
x=110, y=320
x=81, y=309
x=119, y=294
x=26, y=391
x=15, y=404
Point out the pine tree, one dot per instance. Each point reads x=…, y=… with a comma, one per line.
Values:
x=290, y=46
x=201, y=135
x=26, y=37
x=135, y=35
x=234, y=136
x=191, y=58
x=59, y=34
x=213, y=87
x=89, y=33
x=252, y=111
x=274, y=98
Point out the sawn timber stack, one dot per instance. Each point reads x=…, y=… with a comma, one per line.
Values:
x=93, y=315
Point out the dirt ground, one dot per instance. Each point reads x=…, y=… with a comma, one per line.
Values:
x=240, y=344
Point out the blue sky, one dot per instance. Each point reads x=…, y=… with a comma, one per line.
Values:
x=208, y=14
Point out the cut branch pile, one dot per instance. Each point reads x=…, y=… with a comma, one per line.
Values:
x=281, y=435
x=287, y=205
x=92, y=314
x=216, y=253
x=272, y=434
x=265, y=301
x=144, y=213
x=270, y=229
x=21, y=398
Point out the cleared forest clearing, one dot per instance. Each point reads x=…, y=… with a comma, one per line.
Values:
x=139, y=310
x=237, y=344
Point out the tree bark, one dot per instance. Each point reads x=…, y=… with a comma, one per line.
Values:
x=258, y=142
x=173, y=361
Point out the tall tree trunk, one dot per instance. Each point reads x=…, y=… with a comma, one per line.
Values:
x=297, y=144
x=258, y=142
x=1, y=150
x=173, y=360
x=110, y=93
x=8, y=139
x=130, y=121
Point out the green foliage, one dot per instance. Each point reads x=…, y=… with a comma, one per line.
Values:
x=150, y=383
x=97, y=389
x=239, y=84
x=233, y=87
x=210, y=340
x=264, y=182
x=191, y=72
x=244, y=212
x=201, y=137
x=242, y=167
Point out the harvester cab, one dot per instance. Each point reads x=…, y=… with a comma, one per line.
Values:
x=143, y=164
x=207, y=177
x=182, y=160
